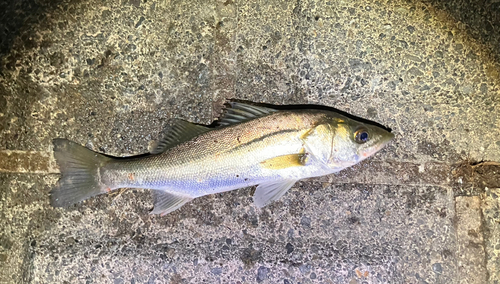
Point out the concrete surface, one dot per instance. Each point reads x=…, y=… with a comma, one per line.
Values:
x=109, y=75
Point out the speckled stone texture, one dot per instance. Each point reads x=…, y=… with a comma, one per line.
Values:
x=110, y=74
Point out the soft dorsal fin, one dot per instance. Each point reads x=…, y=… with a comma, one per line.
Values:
x=181, y=131
x=239, y=112
x=266, y=193
x=167, y=202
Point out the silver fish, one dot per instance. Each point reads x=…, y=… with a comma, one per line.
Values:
x=252, y=145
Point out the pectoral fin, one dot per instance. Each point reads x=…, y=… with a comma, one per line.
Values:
x=286, y=161
x=272, y=191
x=167, y=202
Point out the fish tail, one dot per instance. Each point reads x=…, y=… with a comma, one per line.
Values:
x=80, y=173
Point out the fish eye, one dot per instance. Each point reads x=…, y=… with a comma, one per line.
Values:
x=361, y=136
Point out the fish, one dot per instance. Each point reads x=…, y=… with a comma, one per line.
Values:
x=250, y=145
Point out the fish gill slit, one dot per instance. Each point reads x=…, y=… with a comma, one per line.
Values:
x=331, y=149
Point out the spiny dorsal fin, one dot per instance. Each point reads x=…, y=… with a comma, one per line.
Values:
x=240, y=112
x=167, y=202
x=266, y=193
x=181, y=131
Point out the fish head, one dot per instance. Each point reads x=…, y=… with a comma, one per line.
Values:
x=342, y=142
x=367, y=140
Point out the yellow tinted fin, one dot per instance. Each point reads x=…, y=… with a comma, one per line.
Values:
x=286, y=161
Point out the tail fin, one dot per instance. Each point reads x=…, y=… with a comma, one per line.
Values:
x=80, y=178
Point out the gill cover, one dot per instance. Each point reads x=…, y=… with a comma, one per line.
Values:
x=319, y=142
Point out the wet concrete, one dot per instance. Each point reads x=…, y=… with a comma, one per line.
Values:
x=109, y=75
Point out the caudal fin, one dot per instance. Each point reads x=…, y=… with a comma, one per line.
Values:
x=80, y=177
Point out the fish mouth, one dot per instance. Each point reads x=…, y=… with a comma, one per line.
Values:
x=387, y=139
x=381, y=144
x=384, y=141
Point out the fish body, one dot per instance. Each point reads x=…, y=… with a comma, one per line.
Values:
x=252, y=146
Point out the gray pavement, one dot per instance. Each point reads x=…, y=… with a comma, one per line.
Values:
x=110, y=74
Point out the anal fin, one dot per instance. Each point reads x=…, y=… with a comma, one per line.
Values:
x=165, y=202
x=271, y=191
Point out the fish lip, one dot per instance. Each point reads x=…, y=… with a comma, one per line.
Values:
x=385, y=141
x=388, y=138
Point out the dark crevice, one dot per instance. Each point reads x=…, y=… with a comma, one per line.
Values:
x=484, y=229
x=471, y=178
x=28, y=260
